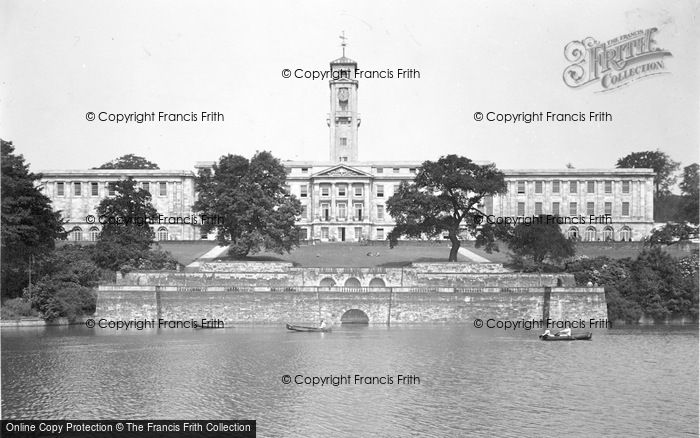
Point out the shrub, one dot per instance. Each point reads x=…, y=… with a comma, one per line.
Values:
x=56, y=299
x=16, y=308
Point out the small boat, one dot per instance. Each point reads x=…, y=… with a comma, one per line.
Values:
x=574, y=337
x=301, y=328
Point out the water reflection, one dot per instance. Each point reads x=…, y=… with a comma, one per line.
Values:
x=481, y=382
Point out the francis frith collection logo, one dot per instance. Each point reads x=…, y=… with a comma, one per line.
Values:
x=616, y=62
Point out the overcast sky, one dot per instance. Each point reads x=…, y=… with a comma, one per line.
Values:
x=62, y=59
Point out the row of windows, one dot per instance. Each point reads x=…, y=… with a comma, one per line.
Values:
x=341, y=211
x=590, y=234
x=326, y=233
x=94, y=188
x=574, y=186
x=411, y=170
x=77, y=234
x=573, y=209
x=342, y=190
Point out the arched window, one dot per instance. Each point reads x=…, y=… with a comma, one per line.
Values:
x=94, y=234
x=76, y=234
x=608, y=234
x=572, y=233
x=590, y=234
x=162, y=233
x=625, y=234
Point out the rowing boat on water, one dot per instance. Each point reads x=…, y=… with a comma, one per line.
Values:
x=574, y=337
x=301, y=328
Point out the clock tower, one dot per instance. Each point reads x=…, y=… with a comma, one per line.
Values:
x=343, y=119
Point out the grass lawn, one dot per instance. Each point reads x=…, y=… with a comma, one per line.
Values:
x=353, y=255
x=186, y=252
x=614, y=250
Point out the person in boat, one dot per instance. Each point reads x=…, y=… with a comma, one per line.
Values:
x=565, y=332
x=546, y=333
x=323, y=324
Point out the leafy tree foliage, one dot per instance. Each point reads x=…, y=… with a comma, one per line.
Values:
x=655, y=284
x=126, y=237
x=251, y=202
x=690, y=189
x=539, y=241
x=662, y=164
x=29, y=225
x=444, y=197
x=129, y=161
x=671, y=234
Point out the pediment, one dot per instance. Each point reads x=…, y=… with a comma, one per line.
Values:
x=341, y=170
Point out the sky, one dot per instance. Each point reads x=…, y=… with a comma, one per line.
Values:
x=63, y=59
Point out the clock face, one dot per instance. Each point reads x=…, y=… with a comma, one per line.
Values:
x=343, y=94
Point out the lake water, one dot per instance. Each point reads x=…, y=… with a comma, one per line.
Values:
x=473, y=382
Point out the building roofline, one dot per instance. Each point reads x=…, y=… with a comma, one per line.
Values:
x=114, y=172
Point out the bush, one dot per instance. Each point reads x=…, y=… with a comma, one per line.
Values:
x=16, y=308
x=55, y=299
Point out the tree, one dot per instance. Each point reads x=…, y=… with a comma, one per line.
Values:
x=29, y=225
x=690, y=189
x=671, y=234
x=251, y=204
x=444, y=197
x=126, y=233
x=657, y=160
x=539, y=240
x=129, y=161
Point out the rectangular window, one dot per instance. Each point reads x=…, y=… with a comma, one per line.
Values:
x=573, y=186
x=608, y=186
x=304, y=191
x=304, y=211
x=358, y=233
x=325, y=190
x=591, y=186
x=573, y=209
x=608, y=208
x=146, y=186
x=343, y=141
x=380, y=190
x=521, y=209
x=380, y=233
x=304, y=234
x=343, y=158
x=325, y=212
x=342, y=210
x=380, y=170
x=412, y=170
x=521, y=187
x=77, y=189
x=94, y=189
x=342, y=190
x=538, y=186
x=396, y=170
x=555, y=186
x=111, y=190
x=590, y=208
x=380, y=212
x=625, y=208
x=163, y=189
x=304, y=170
x=60, y=189
x=555, y=208
x=324, y=233
x=358, y=190
x=538, y=208
x=625, y=186
x=358, y=212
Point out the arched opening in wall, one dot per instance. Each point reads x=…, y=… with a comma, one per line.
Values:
x=608, y=234
x=354, y=316
x=625, y=234
x=352, y=282
x=76, y=234
x=327, y=282
x=94, y=234
x=162, y=233
x=572, y=233
x=377, y=282
x=590, y=234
